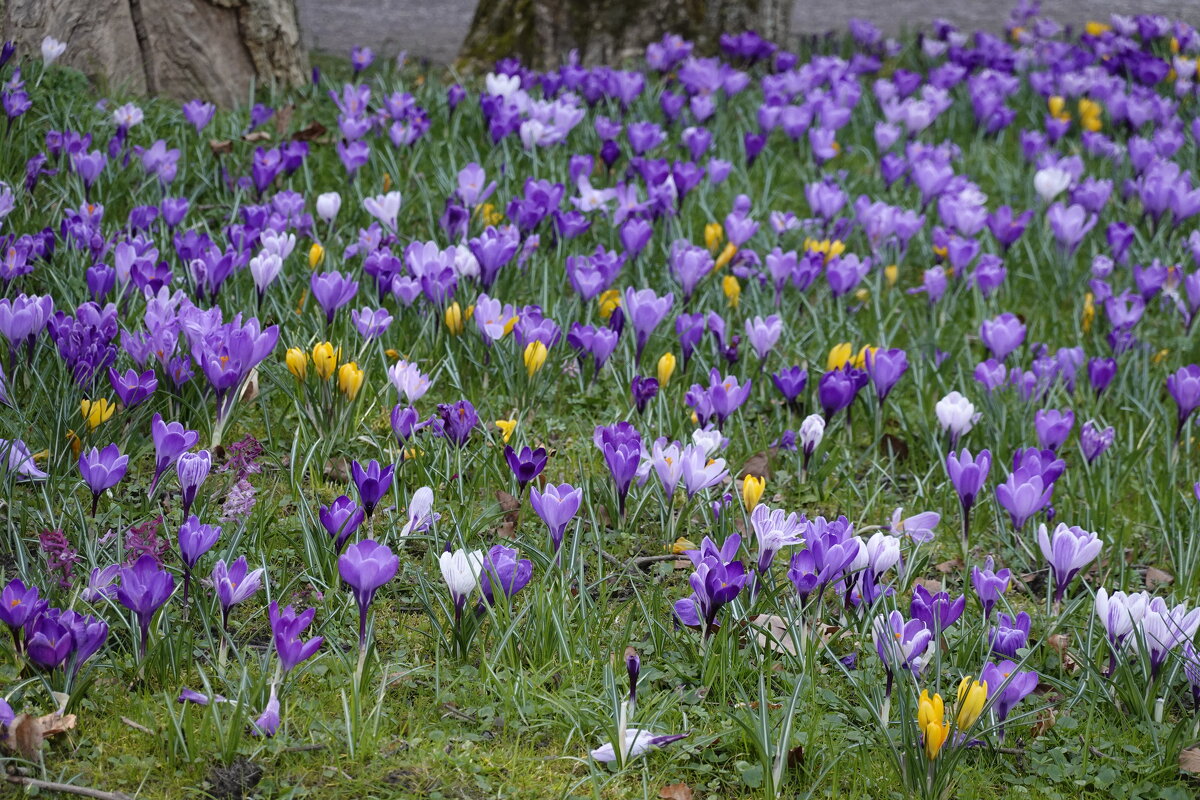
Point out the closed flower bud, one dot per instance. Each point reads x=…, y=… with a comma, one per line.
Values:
x=350, y=380
x=972, y=696
x=666, y=368
x=297, y=362
x=609, y=299
x=732, y=289
x=714, y=234
x=726, y=256
x=535, y=356
x=316, y=254
x=324, y=359
x=752, y=490
x=839, y=356
x=96, y=411
x=891, y=273
x=454, y=319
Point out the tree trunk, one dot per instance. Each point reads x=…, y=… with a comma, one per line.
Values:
x=543, y=32
x=212, y=49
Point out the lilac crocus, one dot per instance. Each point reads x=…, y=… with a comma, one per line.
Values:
x=132, y=388
x=234, y=583
x=1023, y=494
x=332, y=290
x=714, y=584
x=1007, y=686
x=936, y=609
x=102, y=470
x=1009, y=635
x=836, y=390
x=900, y=644
x=1002, y=335
x=557, y=506
x=18, y=605
x=366, y=566
x=621, y=446
x=526, y=465
x=286, y=629
x=645, y=310
x=341, y=519
x=1068, y=550
x=791, y=383
x=373, y=483
x=171, y=440
x=144, y=588
x=195, y=539
x=48, y=641
x=775, y=529
x=1184, y=386
x=455, y=422
x=1053, y=427
x=1093, y=440
x=764, y=334
x=371, y=324
x=699, y=472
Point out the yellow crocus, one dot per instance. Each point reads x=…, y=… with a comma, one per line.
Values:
x=392, y=354
x=732, y=289
x=1057, y=105
x=972, y=696
x=297, y=362
x=862, y=294
x=682, y=545
x=860, y=358
x=316, y=254
x=350, y=380
x=752, y=490
x=387, y=182
x=325, y=359
x=96, y=411
x=1089, y=312
x=535, y=356
x=1160, y=356
x=666, y=368
x=714, y=234
x=931, y=719
x=506, y=426
x=454, y=319
x=1095, y=28
x=490, y=215
x=839, y=356
x=726, y=256
x=891, y=274
x=608, y=300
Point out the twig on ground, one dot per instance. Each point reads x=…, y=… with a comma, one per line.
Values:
x=66, y=788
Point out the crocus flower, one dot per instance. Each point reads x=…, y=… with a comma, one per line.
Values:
x=956, y=414
x=1068, y=550
x=132, y=388
x=234, y=583
x=193, y=469
x=266, y=723
x=48, y=641
x=19, y=604
x=373, y=483
x=1022, y=495
x=1006, y=687
x=1009, y=635
x=700, y=472
x=502, y=569
x=885, y=368
x=836, y=390
x=714, y=584
x=968, y=474
x=812, y=431
x=525, y=465
x=171, y=440
x=1002, y=335
x=637, y=742
x=645, y=310
x=557, y=506
x=763, y=334
x=989, y=584
x=341, y=519
x=1053, y=427
x=899, y=643
x=332, y=290
x=286, y=628
x=1184, y=386
x=411, y=384
x=621, y=445
x=456, y=421
x=460, y=570
x=102, y=470
x=366, y=566
x=1093, y=441
x=195, y=540
x=774, y=529
x=144, y=588
x=1164, y=628
x=16, y=460
x=790, y=382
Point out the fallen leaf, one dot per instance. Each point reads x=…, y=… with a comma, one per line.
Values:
x=675, y=791
x=795, y=756
x=310, y=132
x=758, y=465
x=1061, y=643
x=251, y=390
x=1156, y=577
x=1189, y=760
x=257, y=136
x=1045, y=721
x=890, y=444
x=220, y=146
x=26, y=733
x=337, y=469
x=774, y=633
x=946, y=567
x=930, y=584
x=511, y=507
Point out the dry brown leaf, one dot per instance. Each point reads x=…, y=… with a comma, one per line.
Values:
x=511, y=507
x=1061, y=643
x=1157, y=577
x=26, y=733
x=675, y=791
x=682, y=563
x=1045, y=721
x=310, y=132
x=774, y=633
x=220, y=146
x=758, y=465
x=1189, y=760
x=795, y=756
x=257, y=136
x=337, y=469
x=251, y=390
x=930, y=584
x=889, y=444
x=946, y=567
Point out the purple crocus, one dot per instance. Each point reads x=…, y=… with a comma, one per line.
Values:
x=102, y=470
x=1093, y=441
x=504, y=571
x=1009, y=635
x=714, y=584
x=373, y=483
x=195, y=540
x=1006, y=687
x=332, y=290
x=341, y=519
x=286, y=628
x=455, y=422
x=763, y=334
x=1184, y=386
x=621, y=445
x=645, y=310
x=1023, y=494
x=885, y=369
x=791, y=383
x=900, y=644
x=1068, y=550
x=643, y=390
x=557, y=506
x=989, y=584
x=234, y=583
x=193, y=469
x=1002, y=335
x=526, y=465
x=936, y=610
x=18, y=605
x=132, y=388
x=837, y=389
x=48, y=641
x=171, y=440
x=366, y=566
x=144, y=588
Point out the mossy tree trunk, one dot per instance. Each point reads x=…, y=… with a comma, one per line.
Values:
x=543, y=32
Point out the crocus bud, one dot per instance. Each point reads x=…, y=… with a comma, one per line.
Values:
x=633, y=665
x=316, y=254
x=454, y=319
x=328, y=205
x=956, y=414
x=752, y=490
x=192, y=468
x=535, y=356
x=812, y=430
x=350, y=380
x=96, y=411
x=297, y=362
x=972, y=696
x=666, y=368
x=324, y=359
x=732, y=289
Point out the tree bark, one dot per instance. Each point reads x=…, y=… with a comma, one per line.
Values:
x=212, y=49
x=543, y=32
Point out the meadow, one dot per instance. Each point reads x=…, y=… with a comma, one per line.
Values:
x=780, y=421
